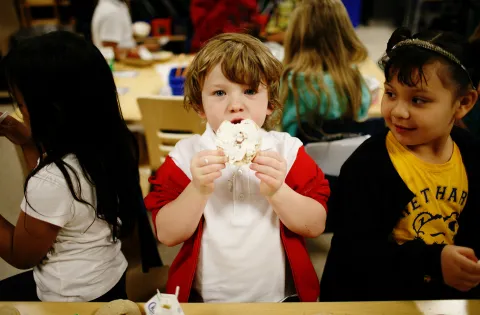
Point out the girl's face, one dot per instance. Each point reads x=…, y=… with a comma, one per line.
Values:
x=424, y=114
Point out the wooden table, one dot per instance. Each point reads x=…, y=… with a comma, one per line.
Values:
x=377, y=308
x=148, y=82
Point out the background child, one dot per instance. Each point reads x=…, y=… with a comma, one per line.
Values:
x=82, y=193
x=405, y=211
x=323, y=90
x=112, y=25
x=213, y=17
x=236, y=236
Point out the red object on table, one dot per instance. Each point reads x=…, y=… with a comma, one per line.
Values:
x=162, y=27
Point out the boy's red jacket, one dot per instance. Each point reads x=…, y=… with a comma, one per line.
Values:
x=213, y=17
x=304, y=177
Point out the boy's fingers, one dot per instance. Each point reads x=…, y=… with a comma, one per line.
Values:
x=263, y=160
x=211, y=168
x=211, y=152
x=267, y=170
x=207, y=160
x=271, y=154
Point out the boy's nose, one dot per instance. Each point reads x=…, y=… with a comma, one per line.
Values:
x=400, y=110
x=236, y=106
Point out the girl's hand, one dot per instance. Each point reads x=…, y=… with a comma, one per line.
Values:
x=271, y=169
x=15, y=131
x=206, y=167
x=460, y=267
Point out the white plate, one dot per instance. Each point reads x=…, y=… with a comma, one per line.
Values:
x=162, y=55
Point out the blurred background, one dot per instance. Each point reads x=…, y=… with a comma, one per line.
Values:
x=173, y=30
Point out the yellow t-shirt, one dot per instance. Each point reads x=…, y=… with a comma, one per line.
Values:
x=441, y=191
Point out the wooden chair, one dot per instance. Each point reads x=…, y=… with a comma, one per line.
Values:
x=166, y=122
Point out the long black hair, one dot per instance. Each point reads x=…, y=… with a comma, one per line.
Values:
x=71, y=98
x=407, y=62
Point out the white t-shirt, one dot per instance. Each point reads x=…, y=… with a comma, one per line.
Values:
x=241, y=255
x=84, y=263
x=111, y=22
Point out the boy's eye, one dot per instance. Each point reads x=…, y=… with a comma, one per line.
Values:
x=219, y=93
x=390, y=94
x=418, y=101
x=250, y=92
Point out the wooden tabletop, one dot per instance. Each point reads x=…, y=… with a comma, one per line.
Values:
x=148, y=83
x=372, y=308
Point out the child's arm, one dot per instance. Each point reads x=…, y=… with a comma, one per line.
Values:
x=299, y=199
x=301, y=215
x=178, y=204
x=178, y=220
x=25, y=245
x=20, y=134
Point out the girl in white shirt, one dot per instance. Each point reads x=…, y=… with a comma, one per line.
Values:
x=82, y=194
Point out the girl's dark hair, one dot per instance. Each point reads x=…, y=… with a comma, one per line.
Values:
x=72, y=102
x=407, y=62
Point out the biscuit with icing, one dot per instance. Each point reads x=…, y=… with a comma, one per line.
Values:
x=240, y=141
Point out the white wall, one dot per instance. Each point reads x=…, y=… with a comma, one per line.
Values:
x=11, y=189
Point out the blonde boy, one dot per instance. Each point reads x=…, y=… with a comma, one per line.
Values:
x=236, y=238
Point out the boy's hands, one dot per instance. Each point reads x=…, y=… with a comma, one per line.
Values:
x=15, y=131
x=460, y=268
x=271, y=169
x=206, y=167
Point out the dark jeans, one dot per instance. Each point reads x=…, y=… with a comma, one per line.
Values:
x=22, y=287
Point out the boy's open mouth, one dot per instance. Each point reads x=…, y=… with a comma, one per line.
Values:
x=236, y=121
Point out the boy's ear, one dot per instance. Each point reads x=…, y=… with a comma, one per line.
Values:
x=202, y=115
x=467, y=102
x=270, y=108
x=269, y=111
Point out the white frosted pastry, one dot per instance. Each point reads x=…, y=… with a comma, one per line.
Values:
x=240, y=142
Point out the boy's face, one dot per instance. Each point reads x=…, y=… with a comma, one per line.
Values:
x=226, y=100
x=421, y=115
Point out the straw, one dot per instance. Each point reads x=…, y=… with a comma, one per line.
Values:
x=177, y=291
x=4, y=115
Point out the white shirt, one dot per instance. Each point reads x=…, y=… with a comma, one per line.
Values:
x=84, y=263
x=241, y=255
x=111, y=22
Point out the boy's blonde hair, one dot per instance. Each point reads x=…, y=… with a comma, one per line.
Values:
x=244, y=60
x=320, y=39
